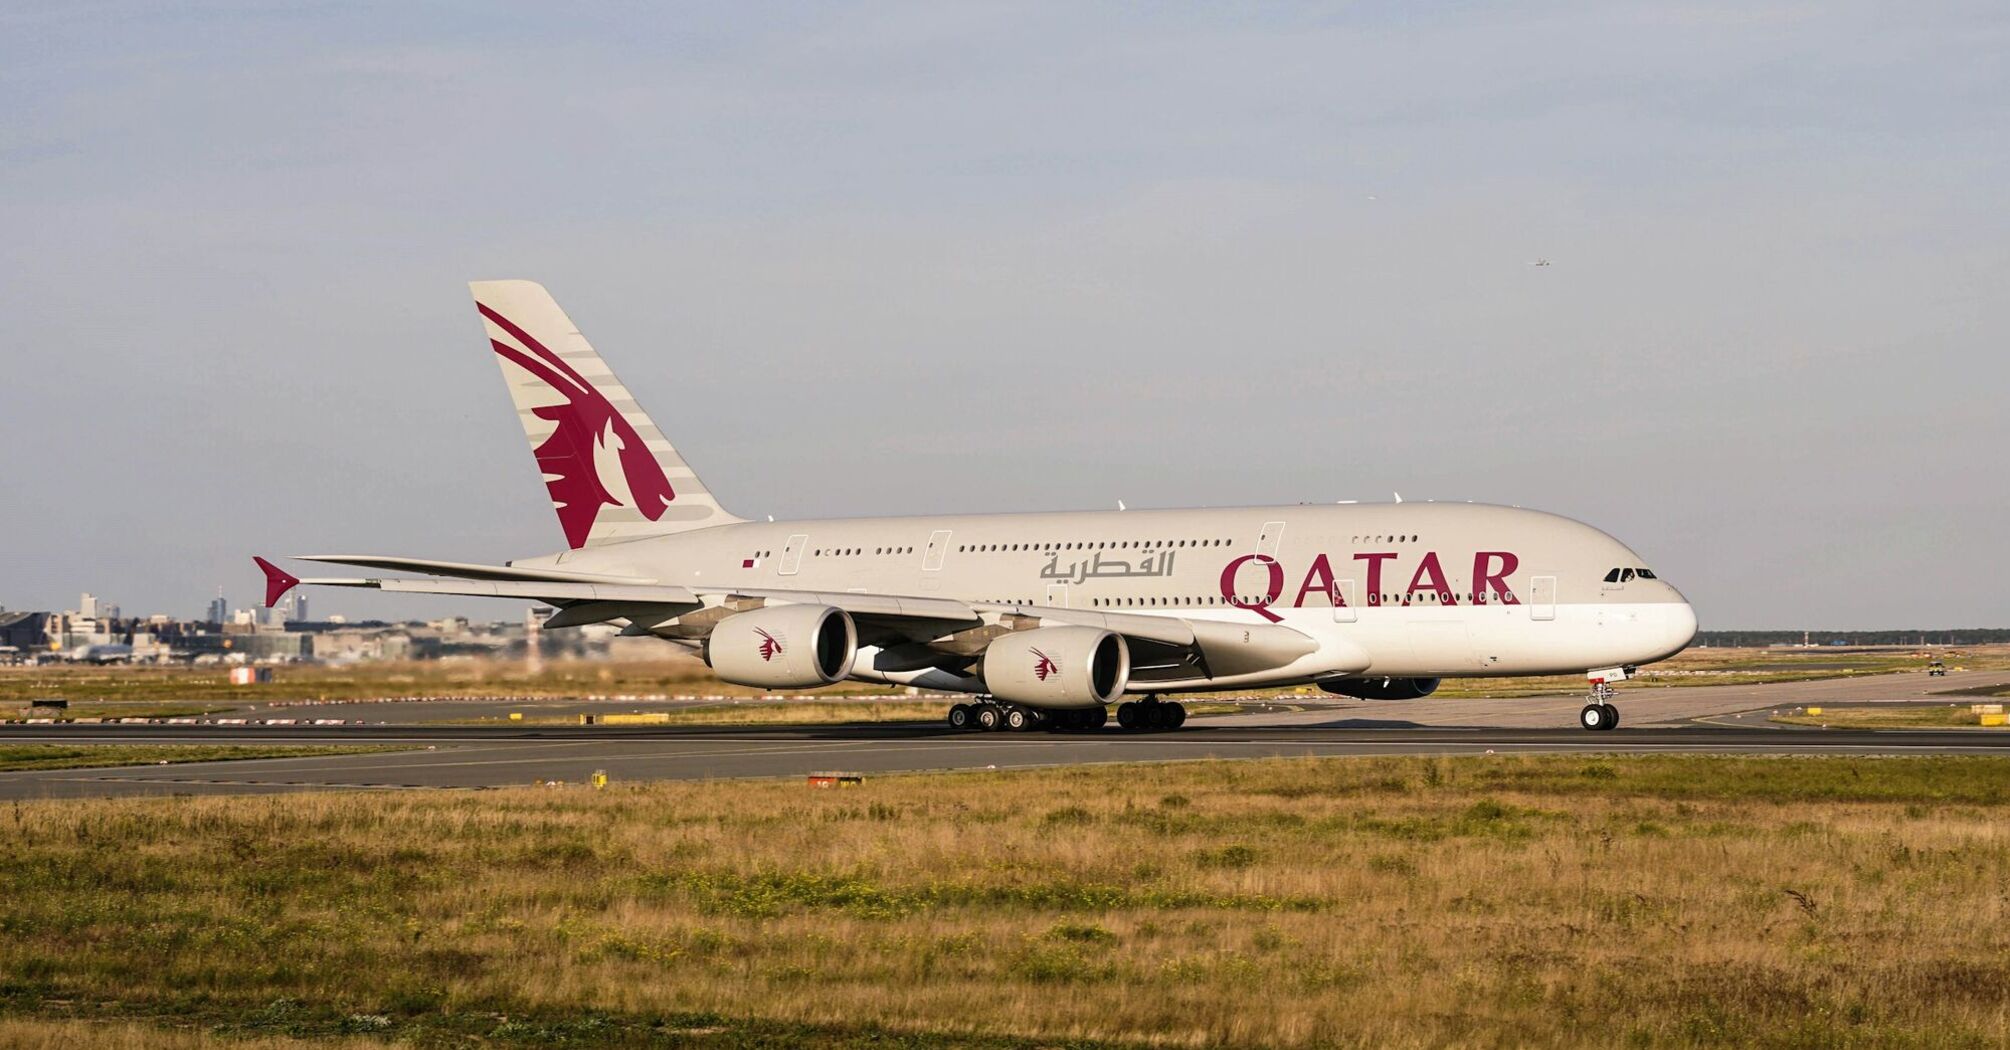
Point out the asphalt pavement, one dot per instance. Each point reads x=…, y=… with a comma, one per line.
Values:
x=1698, y=719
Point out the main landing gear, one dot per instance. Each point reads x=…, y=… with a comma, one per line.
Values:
x=1151, y=713
x=990, y=715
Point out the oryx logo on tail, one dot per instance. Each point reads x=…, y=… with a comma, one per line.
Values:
x=1044, y=666
x=771, y=646
x=591, y=438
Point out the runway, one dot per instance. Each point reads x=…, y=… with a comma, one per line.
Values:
x=1701, y=719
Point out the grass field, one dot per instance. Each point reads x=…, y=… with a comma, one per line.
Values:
x=1888, y=716
x=1497, y=901
x=1696, y=667
x=113, y=709
x=196, y=689
x=569, y=679
x=801, y=712
x=71, y=756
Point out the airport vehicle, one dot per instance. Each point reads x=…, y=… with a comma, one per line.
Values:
x=1936, y=669
x=1046, y=619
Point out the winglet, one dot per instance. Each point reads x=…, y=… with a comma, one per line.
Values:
x=277, y=581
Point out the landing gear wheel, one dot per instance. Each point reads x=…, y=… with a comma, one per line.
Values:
x=959, y=717
x=988, y=717
x=1016, y=719
x=1175, y=715
x=1098, y=717
x=1127, y=714
x=1594, y=717
x=1611, y=716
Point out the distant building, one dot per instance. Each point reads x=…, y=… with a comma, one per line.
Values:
x=273, y=645
x=25, y=631
x=87, y=606
x=219, y=610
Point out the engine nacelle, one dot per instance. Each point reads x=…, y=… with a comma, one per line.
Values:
x=1058, y=667
x=1382, y=688
x=784, y=646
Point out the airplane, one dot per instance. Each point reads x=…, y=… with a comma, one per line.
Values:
x=102, y=653
x=1043, y=619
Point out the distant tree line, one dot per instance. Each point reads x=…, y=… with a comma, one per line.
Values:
x=1962, y=636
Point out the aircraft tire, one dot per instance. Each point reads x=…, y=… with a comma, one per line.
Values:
x=1098, y=718
x=1592, y=717
x=1175, y=715
x=1018, y=719
x=988, y=717
x=1127, y=715
x=960, y=717
x=1611, y=717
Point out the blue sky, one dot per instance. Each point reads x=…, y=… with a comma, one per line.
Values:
x=903, y=258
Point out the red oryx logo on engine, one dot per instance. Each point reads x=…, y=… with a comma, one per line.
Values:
x=771, y=646
x=589, y=427
x=1043, y=667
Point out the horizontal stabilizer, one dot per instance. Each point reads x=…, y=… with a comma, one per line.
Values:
x=277, y=581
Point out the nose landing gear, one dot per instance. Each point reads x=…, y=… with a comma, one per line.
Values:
x=1600, y=714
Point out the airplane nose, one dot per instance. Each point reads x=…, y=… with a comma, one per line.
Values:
x=1684, y=627
x=1674, y=628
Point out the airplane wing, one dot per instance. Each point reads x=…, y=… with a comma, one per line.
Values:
x=466, y=570
x=1164, y=647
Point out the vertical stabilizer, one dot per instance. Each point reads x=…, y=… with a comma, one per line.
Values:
x=611, y=474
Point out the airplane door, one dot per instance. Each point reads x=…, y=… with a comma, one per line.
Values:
x=1267, y=540
x=938, y=545
x=1343, y=601
x=1542, y=598
x=792, y=554
x=1057, y=595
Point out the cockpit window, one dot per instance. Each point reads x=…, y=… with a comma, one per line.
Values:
x=1612, y=577
x=1646, y=574
x=1625, y=575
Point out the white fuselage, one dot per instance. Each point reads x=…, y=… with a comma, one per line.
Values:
x=1404, y=589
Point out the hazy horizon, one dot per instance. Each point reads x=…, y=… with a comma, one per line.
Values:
x=917, y=259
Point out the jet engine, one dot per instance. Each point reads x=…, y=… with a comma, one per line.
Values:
x=1058, y=667
x=783, y=646
x=1382, y=688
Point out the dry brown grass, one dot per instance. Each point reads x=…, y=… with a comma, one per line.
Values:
x=799, y=712
x=1888, y=716
x=208, y=688
x=125, y=1035
x=15, y=757
x=1501, y=901
x=569, y=679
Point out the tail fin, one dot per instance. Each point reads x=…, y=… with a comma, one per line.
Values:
x=611, y=474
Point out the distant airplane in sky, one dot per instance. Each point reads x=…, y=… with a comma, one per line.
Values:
x=1045, y=618
x=1540, y=262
